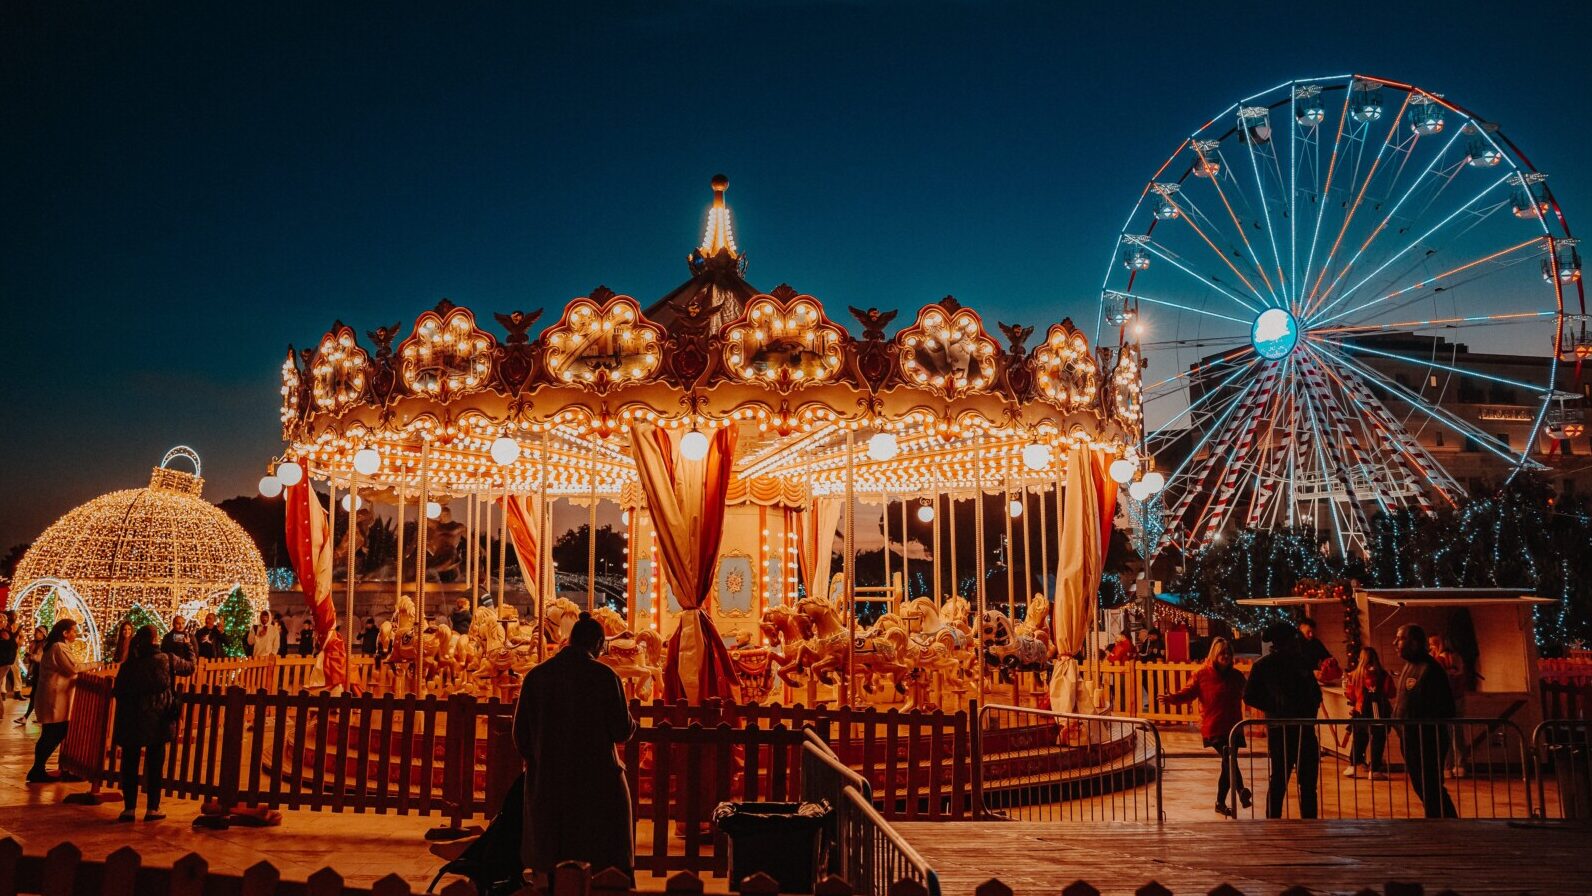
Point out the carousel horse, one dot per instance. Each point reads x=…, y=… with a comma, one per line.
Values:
x=1036, y=619
x=1005, y=648
x=825, y=651
x=785, y=631
x=636, y=657
x=558, y=618
x=938, y=647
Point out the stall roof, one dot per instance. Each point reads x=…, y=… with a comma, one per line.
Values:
x=1292, y=600
x=1451, y=597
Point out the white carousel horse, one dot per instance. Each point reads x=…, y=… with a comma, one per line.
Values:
x=1005, y=648
x=636, y=657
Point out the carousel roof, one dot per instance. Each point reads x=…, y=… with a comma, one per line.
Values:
x=960, y=411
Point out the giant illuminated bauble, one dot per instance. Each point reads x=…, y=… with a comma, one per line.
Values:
x=1121, y=470
x=883, y=446
x=693, y=445
x=433, y=510
x=505, y=451
x=1154, y=481
x=367, y=461
x=1138, y=491
x=1274, y=334
x=290, y=472
x=926, y=513
x=1036, y=456
x=270, y=486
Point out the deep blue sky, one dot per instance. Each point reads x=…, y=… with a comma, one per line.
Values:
x=188, y=188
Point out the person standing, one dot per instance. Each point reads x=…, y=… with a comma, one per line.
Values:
x=1152, y=649
x=124, y=640
x=1322, y=663
x=1123, y=650
x=1453, y=664
x=1423, y=707
x=1369, y=692
x=35, y=659
x=282, y=640
x=146, y=719
x=8, y=660
x=1282, y=684
x=53, y=696
x=210, y=641
x=306, y=638
x=369, y=636
x=1220, y=690
x=569, y=721
x=178, y=641
x=262, y=637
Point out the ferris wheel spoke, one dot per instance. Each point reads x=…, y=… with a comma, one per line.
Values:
x=1271, y=233
x=1439, y=414
x=1181, y=483
x=1427, y=281
x=1326, y=189
x=1238, y=432
x=1243, y=233
x=1209, y=396
x=1221, y=502
x=1187, y=219
x=1139, y=297
x=1434, y=323
x=1160, y=253
x=1413, y=245
x=1359, y=199
x=1342, y=346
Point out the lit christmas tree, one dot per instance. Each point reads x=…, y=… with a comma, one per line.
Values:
x=237, y=614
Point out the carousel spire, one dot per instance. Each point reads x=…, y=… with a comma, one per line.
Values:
x=720, y=235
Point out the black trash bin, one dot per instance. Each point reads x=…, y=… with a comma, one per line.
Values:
x=782, y=840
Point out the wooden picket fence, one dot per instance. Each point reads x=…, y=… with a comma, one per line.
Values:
x=1133, y=688
x=1566, y=701
x=64, y=872
x=1574, y=670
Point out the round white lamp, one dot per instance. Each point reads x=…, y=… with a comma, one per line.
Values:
x=1121, y=470
x=883, y=446
x=1138, y=491
x=270, y=486
x=290, y=473
x=926, y=513
x=1154, y=481
x=505, y=451
x=1036, y=456
x=357, y=503
x=433, y=510
x=693, y=445
x=1015, y=508
x=367, y=461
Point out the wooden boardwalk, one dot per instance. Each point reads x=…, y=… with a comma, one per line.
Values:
x=1473, y=858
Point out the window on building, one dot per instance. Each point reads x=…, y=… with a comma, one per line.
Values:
x=1438, y=438
x=1432, y=381
x=1501, y=395
x=1502, y=437
x=1471, y=446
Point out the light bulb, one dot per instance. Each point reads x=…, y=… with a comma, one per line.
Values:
x=289, y=472
x=693, y=445
x=1036, y=456
x=358, y=502
x=1154, y=481
x=1121, y=470
x=270, y=486
x=1138, y=491
x=1015, y=508
x=505, y=451
x=433, y=510
x=883, y=446
x=367, y=461
x=926, y=513
x=624, y=517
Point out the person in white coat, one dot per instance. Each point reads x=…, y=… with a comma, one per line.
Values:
x=52, y=703
x=264, y=637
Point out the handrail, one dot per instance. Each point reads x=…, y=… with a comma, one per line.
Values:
x=878, y=856
x=1040, y=778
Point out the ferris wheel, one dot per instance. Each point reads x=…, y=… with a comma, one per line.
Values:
x=1353, y=297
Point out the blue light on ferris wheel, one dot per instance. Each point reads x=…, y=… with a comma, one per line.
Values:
x=1274, y=334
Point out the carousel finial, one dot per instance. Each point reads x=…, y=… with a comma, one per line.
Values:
x=720, y=236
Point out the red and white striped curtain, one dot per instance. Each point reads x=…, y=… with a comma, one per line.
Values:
x=1089, y=505
x=311, y=553
x=524, y=516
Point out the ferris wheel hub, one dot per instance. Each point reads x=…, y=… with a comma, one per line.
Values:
x=1274, y=334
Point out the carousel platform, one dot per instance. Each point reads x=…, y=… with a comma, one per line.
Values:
x=1476, y=858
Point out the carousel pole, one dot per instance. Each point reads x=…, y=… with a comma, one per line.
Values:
x=1028, y=566
x=978, y=564
x=884, y=521
x=937, y=592
x=1011, y=570
x=484, y=586
x=398, y=564
x=353, y=524
x=591, y=541
x=421, y=549
x=1044, y=554
x=906, y=576
x=543, y=527
x=950, y=501
x=469, y=547
x=503, y=549
x=850, y=561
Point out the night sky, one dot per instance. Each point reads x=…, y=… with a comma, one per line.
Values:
x=189, y=188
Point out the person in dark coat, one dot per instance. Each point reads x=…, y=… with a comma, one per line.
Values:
x=179, y=641
x=459, y=619
x=1220, y=690
x=571, y=717
x=1423, y=705
x=1282, y=684
x=210, y=640
x=146, y=719
x=369, y=636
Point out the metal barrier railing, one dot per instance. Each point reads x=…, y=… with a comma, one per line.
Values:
x=874, y=856
x=1563, y=751
x=1375, y=768
x=1039, y=765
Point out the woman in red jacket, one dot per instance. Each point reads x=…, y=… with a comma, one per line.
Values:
x=1220, y=690
x=1369, y=690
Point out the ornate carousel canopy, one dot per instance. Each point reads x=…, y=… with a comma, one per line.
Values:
x=937, y=406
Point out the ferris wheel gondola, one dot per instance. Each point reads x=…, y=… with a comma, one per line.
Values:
x=1335, y=284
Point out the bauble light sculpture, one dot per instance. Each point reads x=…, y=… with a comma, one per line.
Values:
x=367, y=461
x=693, y=445
x=504, y=451
x=883, y=446
x=290, y=473
x=1036, y=456
x=1121, y=470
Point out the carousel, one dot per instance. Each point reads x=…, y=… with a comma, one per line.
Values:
x=741, y=434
